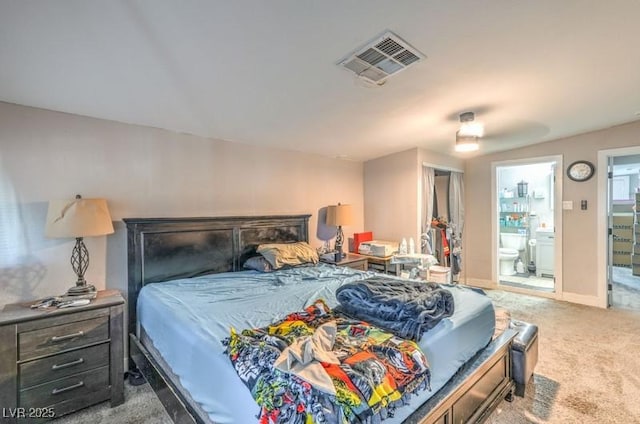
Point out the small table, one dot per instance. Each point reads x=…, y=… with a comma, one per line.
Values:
x=417, y=261
x=382, y=263
x=350, y=260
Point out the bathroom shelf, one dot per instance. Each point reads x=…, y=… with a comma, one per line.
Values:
x=520, y=221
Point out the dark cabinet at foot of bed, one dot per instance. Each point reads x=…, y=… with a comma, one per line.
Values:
x=476, y=389
x=56, y=361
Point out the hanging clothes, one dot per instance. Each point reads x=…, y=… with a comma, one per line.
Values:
x=442, y=249
x=445, y=242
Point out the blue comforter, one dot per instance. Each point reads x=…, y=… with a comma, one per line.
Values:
x=404, y=307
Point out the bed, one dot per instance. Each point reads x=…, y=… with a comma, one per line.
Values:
x=187, y=287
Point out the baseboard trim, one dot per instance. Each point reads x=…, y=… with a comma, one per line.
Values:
x=582, y=299
x=481, y=283
x=529, y=292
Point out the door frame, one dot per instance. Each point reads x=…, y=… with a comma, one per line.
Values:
x=603, y=217
x=557, y=217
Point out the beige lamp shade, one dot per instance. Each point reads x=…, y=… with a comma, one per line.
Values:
x=78, y=218
x=339, y=215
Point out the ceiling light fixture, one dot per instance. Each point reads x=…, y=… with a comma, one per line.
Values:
x=469, y=133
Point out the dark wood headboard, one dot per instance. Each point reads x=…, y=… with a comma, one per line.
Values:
x=162, y=249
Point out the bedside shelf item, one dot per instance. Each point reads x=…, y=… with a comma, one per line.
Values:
x=59, y=360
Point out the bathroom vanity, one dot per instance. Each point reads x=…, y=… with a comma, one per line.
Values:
x=545, y=238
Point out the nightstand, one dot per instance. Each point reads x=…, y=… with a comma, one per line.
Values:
x=56, y=361
x=351, y=260
x=383, y=264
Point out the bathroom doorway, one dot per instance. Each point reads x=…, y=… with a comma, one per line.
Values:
x=526, y=224
x=622, y=205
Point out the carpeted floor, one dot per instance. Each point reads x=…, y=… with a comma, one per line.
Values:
x=141, y=406
x=589, y=364
x=588, y=370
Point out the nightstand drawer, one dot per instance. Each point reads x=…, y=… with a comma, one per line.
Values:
x=58, y=366
x=50, y=340
x=66, y=359
x=61, y=390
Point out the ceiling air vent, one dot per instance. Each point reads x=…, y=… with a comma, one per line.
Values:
x=382, y=57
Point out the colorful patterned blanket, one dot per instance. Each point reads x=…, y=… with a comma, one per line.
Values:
x=318, y=366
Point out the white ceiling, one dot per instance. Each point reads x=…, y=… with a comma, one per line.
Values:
x=264, y=72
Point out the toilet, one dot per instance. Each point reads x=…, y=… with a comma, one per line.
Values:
x=512, y=244
x=507, y=259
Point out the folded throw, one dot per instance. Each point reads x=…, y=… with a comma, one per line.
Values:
x=404, y=307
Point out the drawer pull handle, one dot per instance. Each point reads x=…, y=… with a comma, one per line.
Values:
x=66, y=389
x=67, y=337
x=67, y=364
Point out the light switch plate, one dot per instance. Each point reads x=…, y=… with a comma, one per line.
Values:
x=567, y=205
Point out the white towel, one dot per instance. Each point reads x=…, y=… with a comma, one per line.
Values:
x=302, y=358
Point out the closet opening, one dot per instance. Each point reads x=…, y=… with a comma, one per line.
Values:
x=443, y=218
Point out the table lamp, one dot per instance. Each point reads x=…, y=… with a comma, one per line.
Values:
x=339, y=215
x=78, y=218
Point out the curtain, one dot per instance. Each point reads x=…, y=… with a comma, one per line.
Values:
x=456, y=203
x=428, y=185
x=456, y=221
x=12, y=236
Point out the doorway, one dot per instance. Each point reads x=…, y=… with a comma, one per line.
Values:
x=622, y=245
x=442, y=217
x=526, y=226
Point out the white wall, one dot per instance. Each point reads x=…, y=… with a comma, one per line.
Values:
x=142, y=172
x=393, y=191
x=580, y=253
x=391, y=196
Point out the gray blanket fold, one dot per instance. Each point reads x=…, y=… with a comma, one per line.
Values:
x=403, y=307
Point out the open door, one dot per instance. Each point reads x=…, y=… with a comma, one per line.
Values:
x=619, y=228
x=610, y=236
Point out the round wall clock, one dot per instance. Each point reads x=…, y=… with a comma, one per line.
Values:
x=580, y=170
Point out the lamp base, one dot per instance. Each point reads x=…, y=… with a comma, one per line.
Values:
x=81, y=290
x=339, y=241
